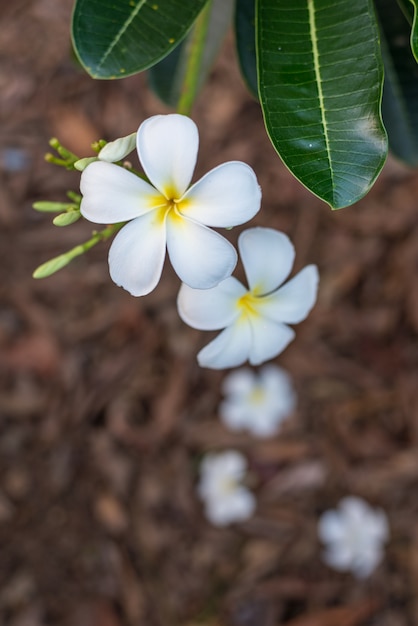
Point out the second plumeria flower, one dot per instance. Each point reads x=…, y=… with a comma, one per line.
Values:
x=167, y=212
x=255, y=319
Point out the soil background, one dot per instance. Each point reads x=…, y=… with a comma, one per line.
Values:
x=104, y=413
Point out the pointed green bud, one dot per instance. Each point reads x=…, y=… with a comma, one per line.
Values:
x=117, y=150
x=98, y=145
x=81, y=164
x=65, y=219
x=52, y=266
x=52, y=207
x=75, y=197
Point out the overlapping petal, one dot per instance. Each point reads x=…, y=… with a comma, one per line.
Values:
x=229, y=349
x=210, y=309
x=226, y=196
x=267, y=256
x=201, y=257
x=137, y=254
x=111, y=194
x=167, y=146
x=268, y=339
x=292, y=302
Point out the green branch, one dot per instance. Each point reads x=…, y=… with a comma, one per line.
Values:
x=195, y=51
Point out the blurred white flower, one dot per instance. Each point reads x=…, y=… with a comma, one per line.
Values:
x=255, y=319
x=257, y=402
x=354, y=536
x=226, y=500
x=166, y=212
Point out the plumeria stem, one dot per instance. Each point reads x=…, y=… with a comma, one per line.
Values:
x=194, y=60
x=53, y=265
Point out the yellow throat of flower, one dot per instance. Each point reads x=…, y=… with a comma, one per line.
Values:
x=248, y=305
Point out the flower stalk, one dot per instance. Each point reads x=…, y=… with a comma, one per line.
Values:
x=57, y=263
x=194, y=60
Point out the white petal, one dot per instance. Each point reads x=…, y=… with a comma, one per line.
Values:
x=330, y=527
x=267, y=256
x=234, y=414
x=136, y=256
x=229, y=349
x=275, y=380
x=167, y=147
x=364, y=564
x=292, y=302
x=239, y=383
x=355, y=510
x=210, y=309
x=268, y=339
x=118, y=149
x=339, y=557
x=238, y=507
x=265, y=425
x=278, y=388
x=226, y=196
x=111, y=194
x=200, y=257
x=379, y=527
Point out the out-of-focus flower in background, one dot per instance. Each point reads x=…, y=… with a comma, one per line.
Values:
x=255, y=319
x=354, y=535
x=226, y=499
x=257, y=402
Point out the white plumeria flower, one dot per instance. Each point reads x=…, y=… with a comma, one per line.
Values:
x=354, y=536
x=226, y=499
x=257, y=402
x=167, y=212
x=254, y=319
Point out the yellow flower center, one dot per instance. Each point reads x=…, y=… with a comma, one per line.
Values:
x=257, y=395
x=248, y=304
x=170, y=208
x=228, y=485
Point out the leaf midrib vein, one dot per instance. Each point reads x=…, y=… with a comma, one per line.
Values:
x=121, y=31
x=315, y=51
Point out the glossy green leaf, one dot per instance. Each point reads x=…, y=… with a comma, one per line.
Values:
x=320, y=83
x=114, y=39
x=400, y=94
x=245, y=41
x=167, y=77
x=414, y=31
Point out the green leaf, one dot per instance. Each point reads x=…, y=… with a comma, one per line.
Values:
x=117, y=39
x=167, y=77
x=320, y=83
x=245, y=41
x=400, y=94
x=414, y=32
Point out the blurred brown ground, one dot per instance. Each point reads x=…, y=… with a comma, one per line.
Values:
x=104, y=413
